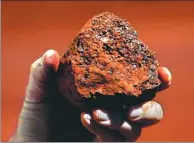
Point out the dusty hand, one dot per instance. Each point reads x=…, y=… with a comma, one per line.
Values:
x=47, y=116
x=113, y=126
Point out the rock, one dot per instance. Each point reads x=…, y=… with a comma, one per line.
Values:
x=107, y=66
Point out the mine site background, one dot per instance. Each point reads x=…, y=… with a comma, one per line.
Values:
x=30, y=28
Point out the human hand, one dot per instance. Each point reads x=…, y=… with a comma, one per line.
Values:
x=47, y=116
x=114, y=126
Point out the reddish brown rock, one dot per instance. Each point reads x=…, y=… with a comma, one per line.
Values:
x=107, y=65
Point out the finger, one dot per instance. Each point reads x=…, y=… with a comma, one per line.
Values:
x=148, y=113
x=130, y=131
x=114, y=121
x=42, y=76
x=108, y=119
x=166, y=78
x=102, y=134
x=33, y=123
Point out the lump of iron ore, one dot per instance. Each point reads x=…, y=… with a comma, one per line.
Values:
x=108, y=66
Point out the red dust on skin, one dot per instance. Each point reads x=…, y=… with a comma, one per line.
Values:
x=165, y=75
x=52, y=58
x=166, y=78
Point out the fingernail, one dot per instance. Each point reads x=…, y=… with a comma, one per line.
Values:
x=87, y=117
x=51, y=58
x=87, y=121
x=101, y=115
x=152, y=110
x=105, y=123
x=125, y=126
x=168, y=74
x=136, y=113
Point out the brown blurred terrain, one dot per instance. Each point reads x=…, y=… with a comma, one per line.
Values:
x=30, y=28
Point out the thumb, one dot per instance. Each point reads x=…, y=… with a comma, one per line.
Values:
x=42, y=77
x=33, y=123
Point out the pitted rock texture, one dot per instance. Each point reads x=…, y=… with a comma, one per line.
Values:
x=107, y=59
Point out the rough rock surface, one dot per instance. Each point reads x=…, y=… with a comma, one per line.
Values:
x=107, y=64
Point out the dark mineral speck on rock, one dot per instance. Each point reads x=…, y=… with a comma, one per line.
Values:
x=108, y=66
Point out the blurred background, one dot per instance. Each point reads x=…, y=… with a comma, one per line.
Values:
x=30, y=28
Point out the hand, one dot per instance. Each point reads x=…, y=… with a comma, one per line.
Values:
x=113, y=126
x=47, y=116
